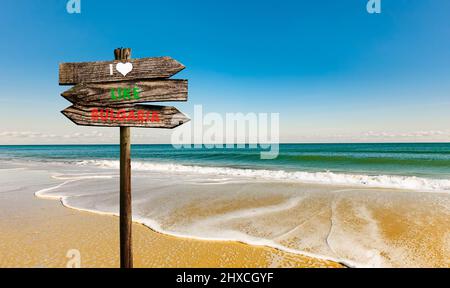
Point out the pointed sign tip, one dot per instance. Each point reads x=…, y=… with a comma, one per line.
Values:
x=67, y=115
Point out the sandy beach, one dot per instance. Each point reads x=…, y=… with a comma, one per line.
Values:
x=39, y=233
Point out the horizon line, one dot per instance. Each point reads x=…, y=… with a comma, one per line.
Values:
x=192, y=144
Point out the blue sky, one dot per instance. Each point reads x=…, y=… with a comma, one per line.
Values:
x=334, y=72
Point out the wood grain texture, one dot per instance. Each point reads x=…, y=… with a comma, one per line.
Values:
x=126, y=216
x=169, y=117
x=126, y=242
x=149, y=91
x=99, y=72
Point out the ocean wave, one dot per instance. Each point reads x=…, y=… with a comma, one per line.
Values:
x=327, y=177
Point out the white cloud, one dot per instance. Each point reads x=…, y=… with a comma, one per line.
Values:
x=26, y=134
x=93, y=134
x=371, y=136
x=431, y=133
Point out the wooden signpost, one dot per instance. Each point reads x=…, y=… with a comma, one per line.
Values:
x=109, y=94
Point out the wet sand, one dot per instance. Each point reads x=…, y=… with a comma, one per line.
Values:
x=39, y=233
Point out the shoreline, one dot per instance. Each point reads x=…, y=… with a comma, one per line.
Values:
x=193, y=238
x=39, y=233
x=151, y=227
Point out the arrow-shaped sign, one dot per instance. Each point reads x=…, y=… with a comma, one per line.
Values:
x=120, y=93
x=110, y=71
x=148, y=116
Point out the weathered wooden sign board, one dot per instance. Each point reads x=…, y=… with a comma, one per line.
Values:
x=108, y=71
x=147, y=116
x=110, y=94
x=130, y=92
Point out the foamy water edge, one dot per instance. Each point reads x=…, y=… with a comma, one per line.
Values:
x=153, y=225
x=330, y=178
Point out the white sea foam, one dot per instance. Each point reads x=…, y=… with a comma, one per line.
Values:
x=80, y=177
x=43, y=193
x=331, y=178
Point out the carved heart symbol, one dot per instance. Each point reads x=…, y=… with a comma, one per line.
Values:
x=124, y=68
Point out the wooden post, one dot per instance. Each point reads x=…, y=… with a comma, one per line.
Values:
x=126, y=247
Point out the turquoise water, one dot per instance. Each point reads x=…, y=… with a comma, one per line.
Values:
x=430, y=160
